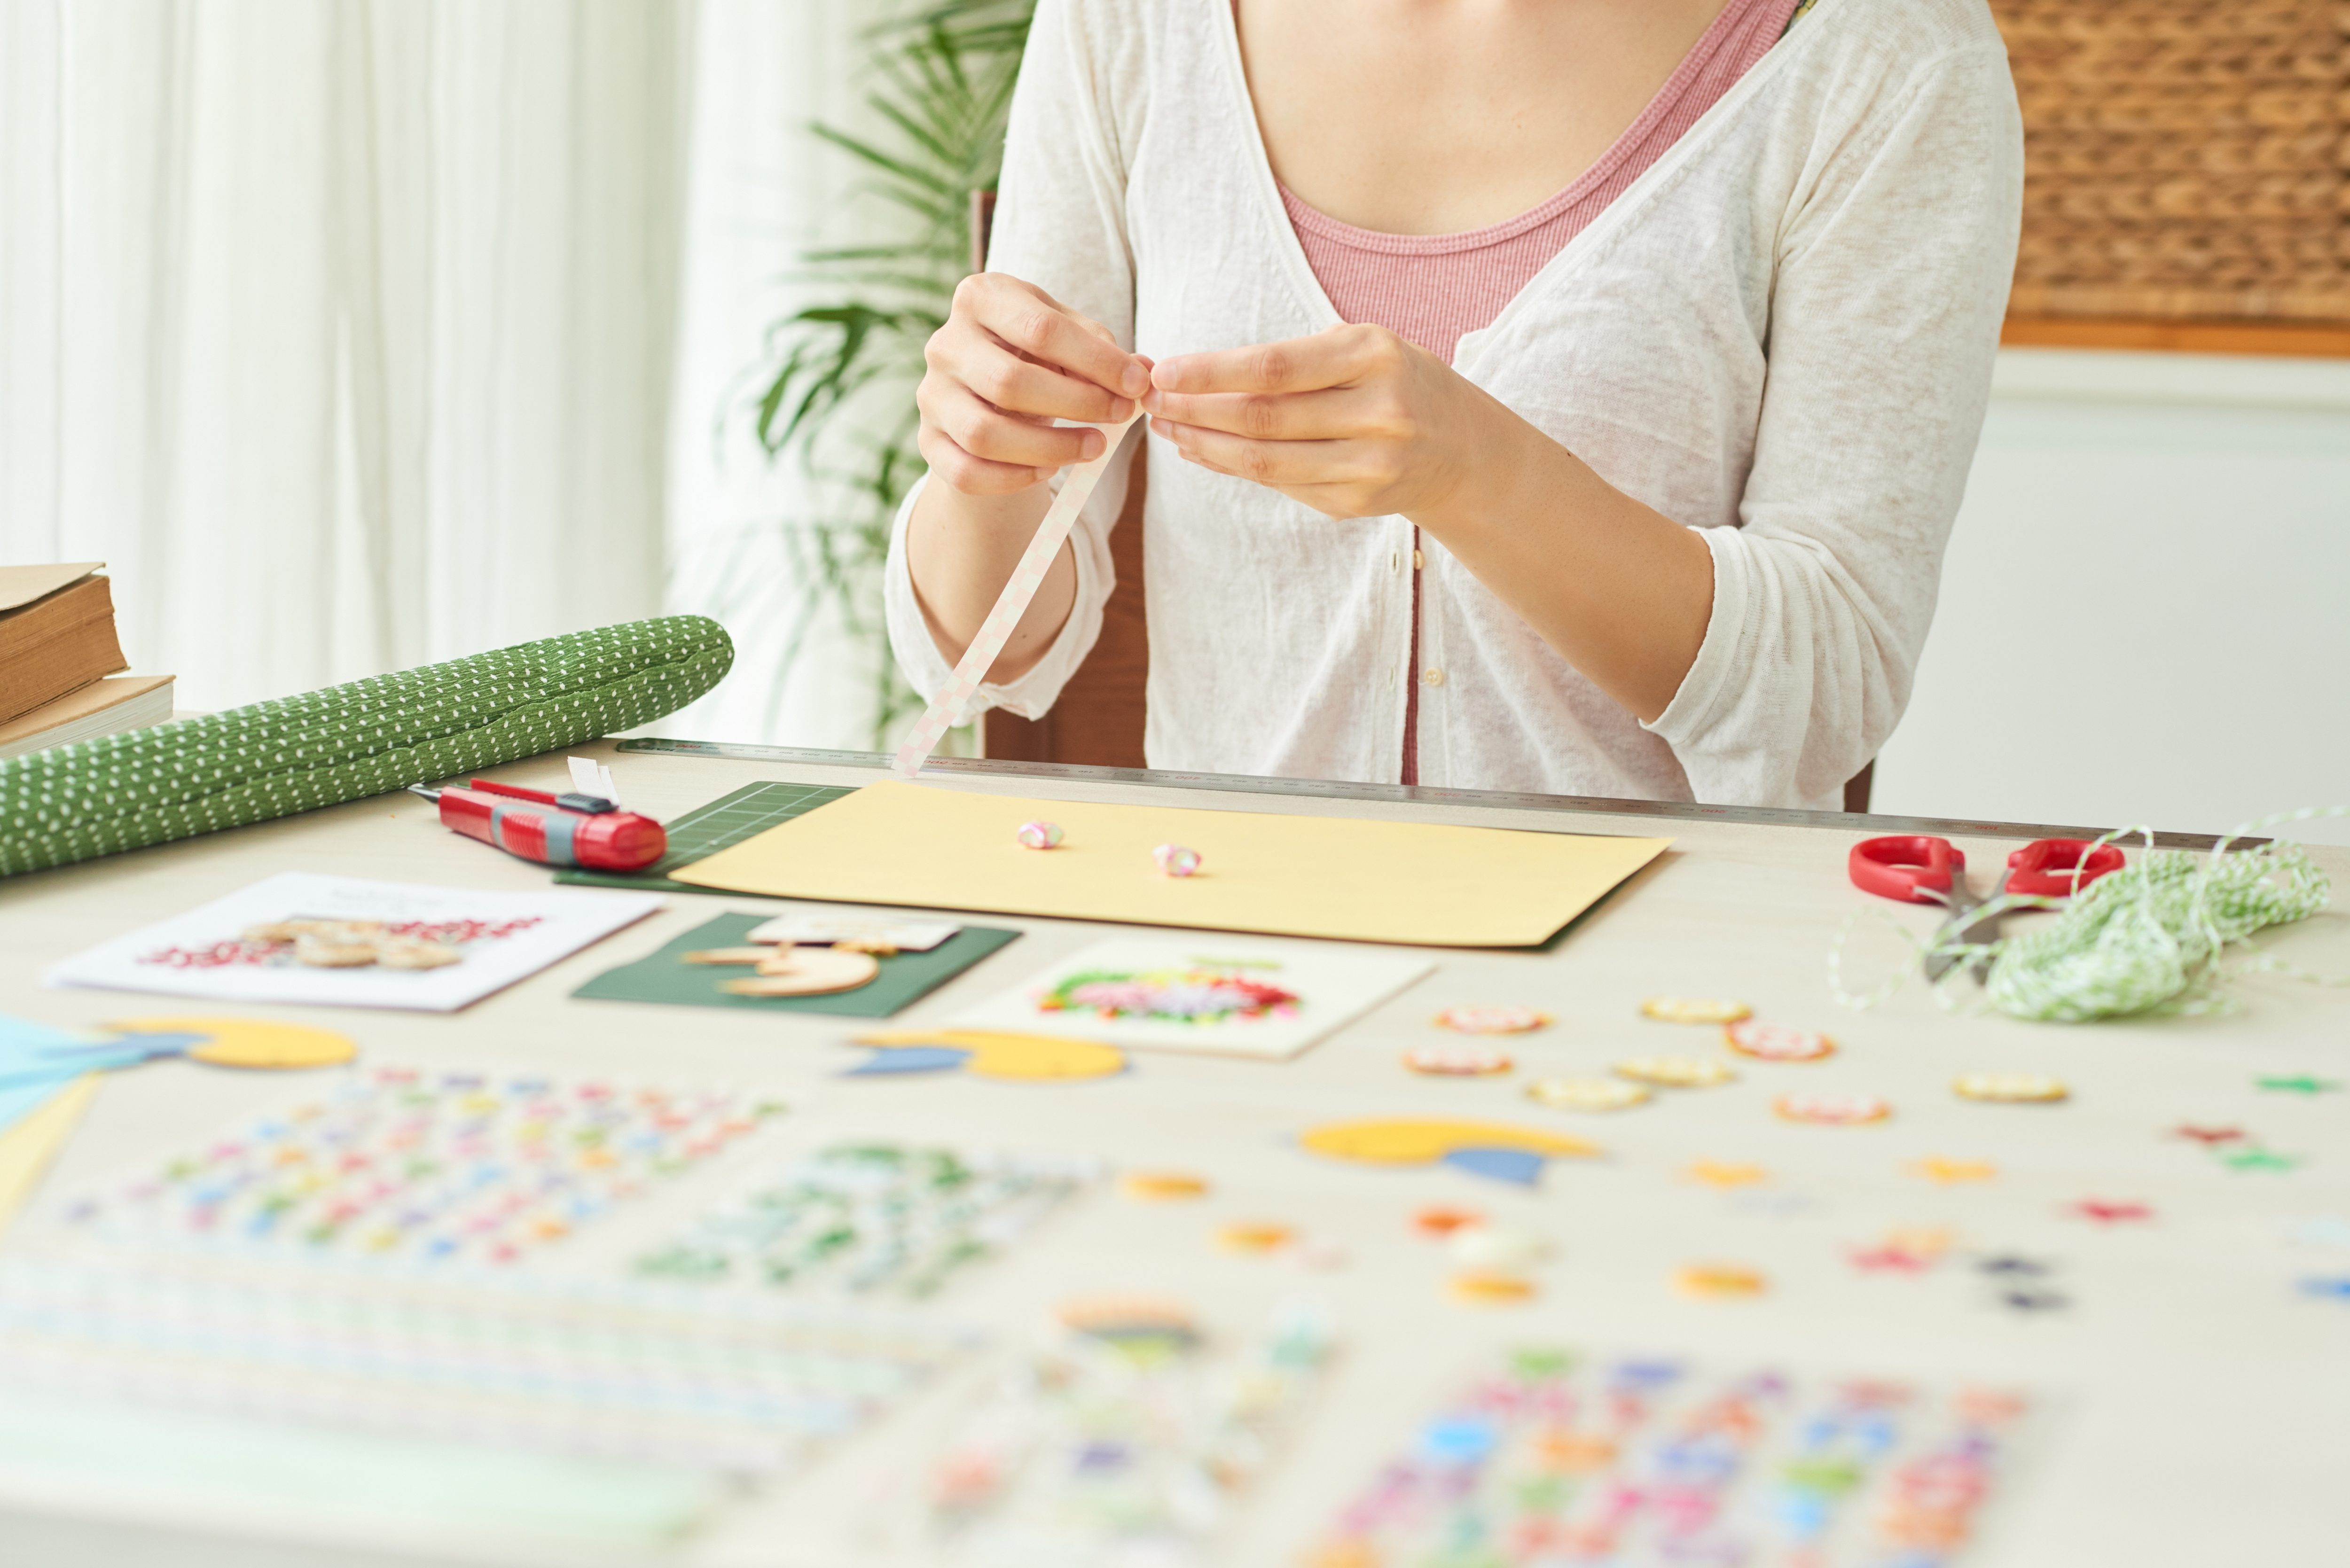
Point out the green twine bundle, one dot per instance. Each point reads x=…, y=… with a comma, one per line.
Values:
x=2151, y=935
x=2150, y=938
x=346, y=743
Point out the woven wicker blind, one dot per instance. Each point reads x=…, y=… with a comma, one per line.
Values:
x=2185, y=157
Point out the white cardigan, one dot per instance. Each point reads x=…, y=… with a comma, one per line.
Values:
x=1781, y=334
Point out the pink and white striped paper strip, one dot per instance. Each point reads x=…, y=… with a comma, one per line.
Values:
x=947, y=708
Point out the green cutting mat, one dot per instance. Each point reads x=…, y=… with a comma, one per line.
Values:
x=905, y=977
x=707, y=829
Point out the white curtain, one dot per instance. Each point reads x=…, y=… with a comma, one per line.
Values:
x=342, y=329
x=761, y=191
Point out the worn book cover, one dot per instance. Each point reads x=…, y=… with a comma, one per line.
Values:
x=57, y=633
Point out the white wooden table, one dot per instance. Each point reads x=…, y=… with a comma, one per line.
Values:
x=2199, y=1408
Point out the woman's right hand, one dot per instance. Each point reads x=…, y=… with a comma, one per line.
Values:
x=1009, y=361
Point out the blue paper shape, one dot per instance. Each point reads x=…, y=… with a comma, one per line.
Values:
x=32, y=1068
x=159, y=1044
x=1459, y=1439
x=23, y=1042
x=27, y=1062
x=2034, y=1301
x=1648, y=1374
x=909, y=1059
x=1522, y=1167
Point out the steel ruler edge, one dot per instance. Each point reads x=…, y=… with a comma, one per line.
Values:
x=1418, y=794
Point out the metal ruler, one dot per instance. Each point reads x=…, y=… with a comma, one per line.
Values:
x=1506, y=800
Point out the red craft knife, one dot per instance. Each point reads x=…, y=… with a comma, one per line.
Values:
x=581, y=830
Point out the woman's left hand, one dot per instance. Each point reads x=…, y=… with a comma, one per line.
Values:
x=1357, y=422
x=1354, y=421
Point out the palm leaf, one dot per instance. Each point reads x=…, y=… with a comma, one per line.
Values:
x=835, y=390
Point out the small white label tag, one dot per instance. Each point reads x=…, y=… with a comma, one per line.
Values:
x=906, y=935
x=591, y=777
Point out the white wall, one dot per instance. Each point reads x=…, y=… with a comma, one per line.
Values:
x=2145, y=613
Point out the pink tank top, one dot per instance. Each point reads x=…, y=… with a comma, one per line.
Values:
x=1432, y=289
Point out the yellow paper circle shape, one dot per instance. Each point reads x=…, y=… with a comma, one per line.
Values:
x=249, y=1042
x=2019, y=1087
x=1492, y=1287
x=1587, y=1093
x=1254, y=1237
x=1026, y=1058
x=1162, y=1186
x=1694, y=1010
x=1716, y=1282
x=1677, y=1072
x=1413, y=1141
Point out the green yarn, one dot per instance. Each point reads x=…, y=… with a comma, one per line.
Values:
x=346, y=743
x=2149, y=939
x=2150, y=935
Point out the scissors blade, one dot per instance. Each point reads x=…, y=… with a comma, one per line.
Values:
x=1963, y=927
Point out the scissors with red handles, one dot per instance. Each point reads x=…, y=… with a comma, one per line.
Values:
x=1919, y=869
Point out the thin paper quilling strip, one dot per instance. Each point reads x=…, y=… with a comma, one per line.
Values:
x=947, y=709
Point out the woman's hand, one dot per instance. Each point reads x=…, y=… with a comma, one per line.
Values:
x=1354, y=421
x=1357, y=422
x=1009, y=361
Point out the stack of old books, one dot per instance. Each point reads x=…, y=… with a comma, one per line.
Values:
x=61, y=663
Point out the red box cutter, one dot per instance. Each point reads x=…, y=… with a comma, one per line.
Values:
x=583, y=830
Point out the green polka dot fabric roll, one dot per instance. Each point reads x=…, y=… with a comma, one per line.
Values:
x=346, y=743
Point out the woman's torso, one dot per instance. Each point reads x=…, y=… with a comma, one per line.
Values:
x=1427, y=142
x=1280, y=640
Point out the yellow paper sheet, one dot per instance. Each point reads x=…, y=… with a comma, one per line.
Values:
x=26, y=1148
x=922, y=846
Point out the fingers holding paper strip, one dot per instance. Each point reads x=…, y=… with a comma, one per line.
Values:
x=951, y=702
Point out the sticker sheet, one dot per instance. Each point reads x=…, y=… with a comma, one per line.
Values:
x=341, y=942
x=403, y=1164
x=634, y=1373
x=1231, y=995
x=824, y=928
x=1643, y=1462
x=1134, y=1437
x=872, y=1220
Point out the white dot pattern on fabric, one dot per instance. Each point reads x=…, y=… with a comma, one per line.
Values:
x=297, y=753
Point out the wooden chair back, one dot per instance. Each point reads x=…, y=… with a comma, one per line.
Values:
x=1098, y=716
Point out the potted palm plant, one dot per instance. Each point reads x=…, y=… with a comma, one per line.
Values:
x=835, y=386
